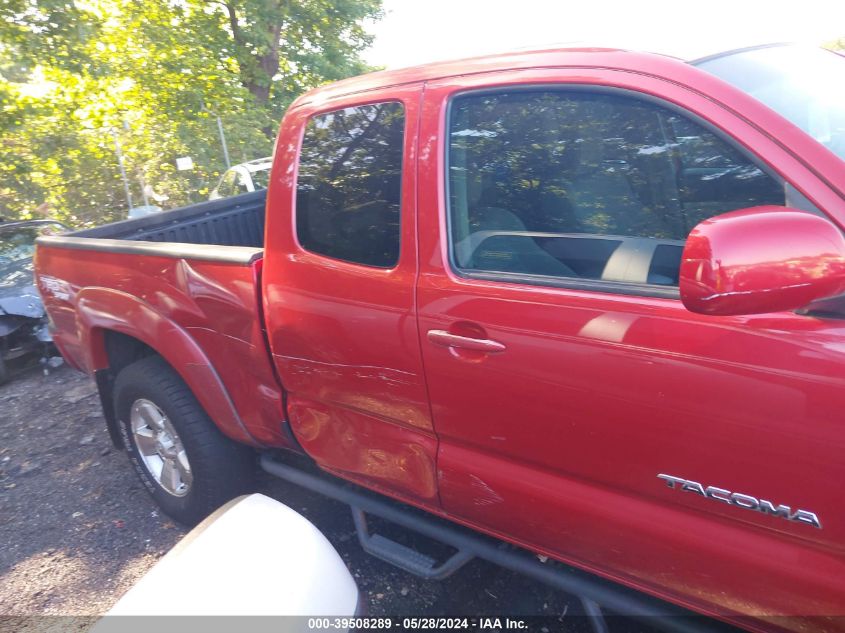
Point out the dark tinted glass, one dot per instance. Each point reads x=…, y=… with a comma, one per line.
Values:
x=349, y=184
x=594, y=186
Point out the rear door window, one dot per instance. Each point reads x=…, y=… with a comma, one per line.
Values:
x=349, y=184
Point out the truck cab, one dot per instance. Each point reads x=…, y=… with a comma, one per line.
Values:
x=479, y=312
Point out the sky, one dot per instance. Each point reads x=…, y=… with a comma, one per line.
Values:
x=418, y=31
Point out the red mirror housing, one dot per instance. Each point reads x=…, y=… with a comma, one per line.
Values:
x=762, y=259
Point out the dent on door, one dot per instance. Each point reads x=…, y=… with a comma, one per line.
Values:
x=339, y=299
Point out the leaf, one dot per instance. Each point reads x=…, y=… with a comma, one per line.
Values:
x=78, y=79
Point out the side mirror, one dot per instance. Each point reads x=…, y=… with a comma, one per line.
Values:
x=762, y=259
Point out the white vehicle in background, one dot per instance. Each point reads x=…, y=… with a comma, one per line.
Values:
x=243, y=178
x=143, y=210
x=253, y=556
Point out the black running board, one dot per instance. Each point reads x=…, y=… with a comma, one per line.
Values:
x=595, y=593
x=403, y=556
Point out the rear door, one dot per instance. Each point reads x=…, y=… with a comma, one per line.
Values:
x=564, y=373
x=338, y=289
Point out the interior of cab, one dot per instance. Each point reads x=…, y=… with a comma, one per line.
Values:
x=593, y=186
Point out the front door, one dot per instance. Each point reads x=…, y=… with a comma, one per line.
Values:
x=566, y=376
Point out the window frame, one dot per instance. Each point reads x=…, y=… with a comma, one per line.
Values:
x=295, y=207
x=575, y=283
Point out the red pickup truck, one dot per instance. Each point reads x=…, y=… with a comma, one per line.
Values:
x=584, y=301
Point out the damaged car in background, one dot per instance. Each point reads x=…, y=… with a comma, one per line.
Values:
x=24, y=334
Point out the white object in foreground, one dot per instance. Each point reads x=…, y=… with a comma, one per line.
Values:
x=253, y=556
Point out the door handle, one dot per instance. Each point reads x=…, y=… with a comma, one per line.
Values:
x=447, y=339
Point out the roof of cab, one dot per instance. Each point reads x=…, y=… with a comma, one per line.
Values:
x=549, y=58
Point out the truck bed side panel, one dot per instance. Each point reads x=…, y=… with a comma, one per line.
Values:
x=214, y=302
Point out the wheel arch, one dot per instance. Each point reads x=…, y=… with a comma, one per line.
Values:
x=116, y=328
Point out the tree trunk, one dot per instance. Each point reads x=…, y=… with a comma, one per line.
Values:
x=259, y=81
x=259, y=91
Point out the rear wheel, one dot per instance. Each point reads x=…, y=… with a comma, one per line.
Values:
x=188, y=466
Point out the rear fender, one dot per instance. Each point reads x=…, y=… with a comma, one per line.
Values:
x=102, y=309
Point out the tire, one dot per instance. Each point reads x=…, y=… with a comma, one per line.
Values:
x=186, y=464
x=4, y=371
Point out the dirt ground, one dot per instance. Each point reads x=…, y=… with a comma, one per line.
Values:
x=77, y=529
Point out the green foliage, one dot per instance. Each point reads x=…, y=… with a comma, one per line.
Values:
x=77, y=78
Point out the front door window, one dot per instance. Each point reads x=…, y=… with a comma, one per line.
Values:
x=549, y=185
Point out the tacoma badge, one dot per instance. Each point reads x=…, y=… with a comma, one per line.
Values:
x=743, y=501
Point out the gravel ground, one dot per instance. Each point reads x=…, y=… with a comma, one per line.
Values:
x=77, y=529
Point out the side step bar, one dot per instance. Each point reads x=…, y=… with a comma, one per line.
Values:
x=595, y=593
x=404, y=557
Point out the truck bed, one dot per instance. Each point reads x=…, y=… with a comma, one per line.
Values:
x=237, y=221
x=195, y=271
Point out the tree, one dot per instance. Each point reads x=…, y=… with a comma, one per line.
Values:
x=76, y=78
x=285, y=46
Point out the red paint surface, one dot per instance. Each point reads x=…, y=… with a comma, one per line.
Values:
x=554, y=443
x=765, y=259
x=557, y=441
x=344, y=337
x=201, y=317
